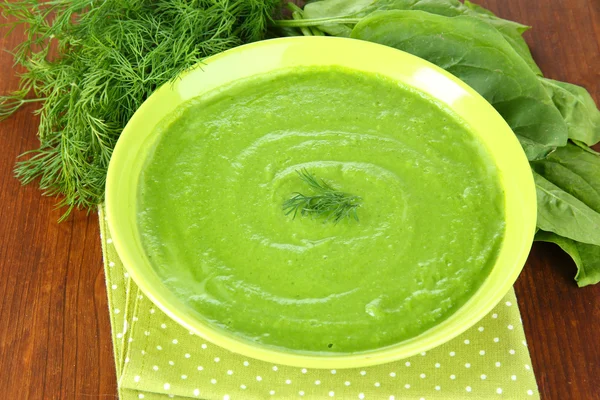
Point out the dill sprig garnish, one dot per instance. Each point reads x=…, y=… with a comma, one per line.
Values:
x=108, y=56
x=326, y=202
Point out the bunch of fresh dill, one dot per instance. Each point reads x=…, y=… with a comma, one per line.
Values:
x=107, y=57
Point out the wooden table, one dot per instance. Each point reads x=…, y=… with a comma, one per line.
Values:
x=54, y=326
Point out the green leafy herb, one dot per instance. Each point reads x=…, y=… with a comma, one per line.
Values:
x=326, y=201
x=338, y=17
x=584, y=147
x=586, y=256
x=564, y=214
x=577, y=108
x=298, y=14
x=478, y=9
x=574, y=170
x=111, y=55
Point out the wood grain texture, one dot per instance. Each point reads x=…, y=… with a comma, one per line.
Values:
x=54, y=325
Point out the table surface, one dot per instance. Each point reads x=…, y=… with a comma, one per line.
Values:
x=55, y=338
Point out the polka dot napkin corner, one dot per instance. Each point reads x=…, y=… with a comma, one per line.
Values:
x=156, y=358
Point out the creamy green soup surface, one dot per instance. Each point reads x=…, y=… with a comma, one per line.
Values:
x=431, y=221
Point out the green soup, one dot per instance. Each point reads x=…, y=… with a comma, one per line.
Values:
x=431, y=221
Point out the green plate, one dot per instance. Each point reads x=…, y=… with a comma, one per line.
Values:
x=273, y=55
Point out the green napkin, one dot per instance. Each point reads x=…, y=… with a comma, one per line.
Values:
x=156, y=359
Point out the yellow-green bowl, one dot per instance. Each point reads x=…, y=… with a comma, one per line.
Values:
x=272, y=55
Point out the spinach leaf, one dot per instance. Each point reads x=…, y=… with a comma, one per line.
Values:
x=575, y=171
x=476, y=53
x=577, y=108
x=339, y=8
x=564, y=214
x=511, y=30
x=584, y=146
x=362, y=8
x=478, y=9
x=586, y=256
x=336, y=9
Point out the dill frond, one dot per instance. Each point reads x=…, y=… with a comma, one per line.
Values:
x=327, y=202
x=110, y=56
